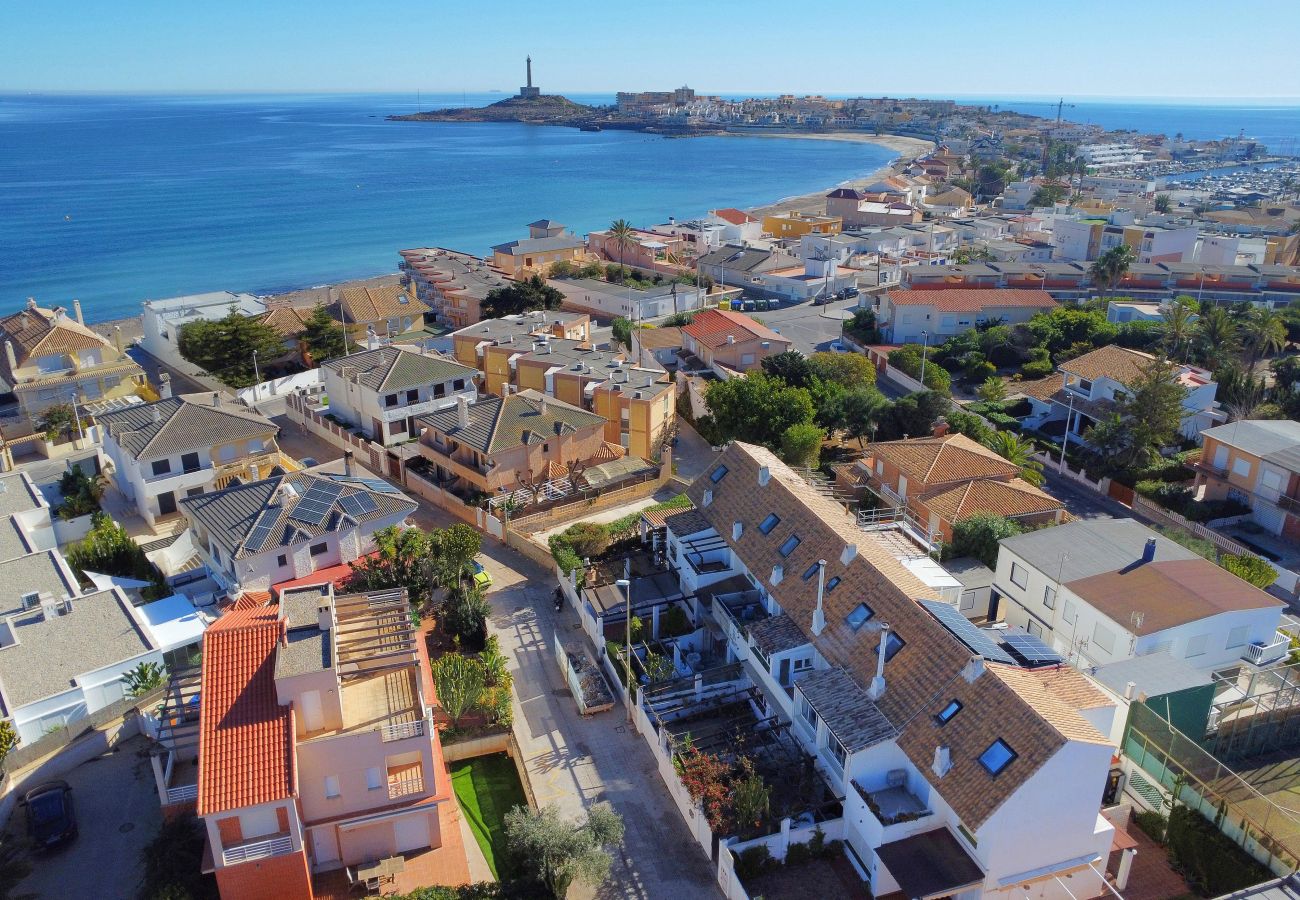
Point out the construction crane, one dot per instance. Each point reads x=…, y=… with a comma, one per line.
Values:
x=1060, y=105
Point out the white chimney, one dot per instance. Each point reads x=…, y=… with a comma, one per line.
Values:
x=819, y=614
x=157, y=416
x=942, y=761
x=708, y=498
x=764, y=476
x=58, y=313
x=325, y=614
x=9, y=355
x=1129, y=689
x=731, y=339
x=347, y=463
x=877, y=689
x=737, y=530
x=31, y=302
x=778, y=573
x=462, y=412
x=216, y=399
x=164, y=386
x=848, y=554
x=973, y=669
x=542, y=405
x=76, y=309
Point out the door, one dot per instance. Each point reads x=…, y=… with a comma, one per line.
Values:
x=411, y=833
x=784, y=677
x=313, y=716
x=902, y=486
x=166, y=503
x=324, y=846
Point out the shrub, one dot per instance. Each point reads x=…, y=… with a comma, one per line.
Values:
x=563, y=554
x=755, y=861
x=674, y=622
x=978, y=536
x=1153, y=823
x=466, y=617
x=797, y=854
x=1210, y=860
x=1251, y=569
x=1037, y=369
x=587, y=539
x=1002, y=421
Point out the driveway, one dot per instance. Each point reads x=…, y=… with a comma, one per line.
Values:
x=117, y=813
x=811, y=328
x=573, y=762
x=1082, y=502
x=692, y=455
x=297, y=441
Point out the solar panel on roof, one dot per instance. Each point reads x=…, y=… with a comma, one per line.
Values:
x=965, y=631
x=1029, y=650
x=358, y=504
x=261, y=531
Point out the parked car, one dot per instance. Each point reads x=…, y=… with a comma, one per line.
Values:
x=481, y=576
x=51, y=818
x=849, y=293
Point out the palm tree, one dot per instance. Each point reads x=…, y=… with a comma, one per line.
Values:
x=621, y=231
x=1178, y=327
x=1218, y=335
x=1110, y=268
x=1019, y=452
x=1262, y=334
x=1163, y=202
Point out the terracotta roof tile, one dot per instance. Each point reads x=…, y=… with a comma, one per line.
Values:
x=245, y=741
x=1072, y=687
x=288, y=321
x=1119, y=363
x=608, y=452
x=1055, y=711
x=932, y=461
x=972, y=300
x=712, y=327
x=1016, y=497
x=926, y=673
x=734, y=216
x=371, y=304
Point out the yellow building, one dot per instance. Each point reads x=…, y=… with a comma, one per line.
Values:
x=50, y=358
x=547, y=243
x=796, y=225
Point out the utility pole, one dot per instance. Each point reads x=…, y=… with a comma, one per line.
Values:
x=1065, y=435
x=925, y=343
x=625, y=584
x=257, y=377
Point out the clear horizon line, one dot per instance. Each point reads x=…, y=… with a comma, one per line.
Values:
x=978, y=95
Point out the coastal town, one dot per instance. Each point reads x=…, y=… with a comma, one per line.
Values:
x=935, y=534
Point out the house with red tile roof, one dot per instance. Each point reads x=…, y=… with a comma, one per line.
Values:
x=731, y=339
x=946, y=479
x=737, y=225
x=945, y=312
x=316, y=746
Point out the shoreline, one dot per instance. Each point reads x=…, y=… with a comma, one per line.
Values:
x=907, y=149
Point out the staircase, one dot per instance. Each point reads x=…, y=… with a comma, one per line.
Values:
x=178, y=728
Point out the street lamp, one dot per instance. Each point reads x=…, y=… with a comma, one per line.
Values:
x=1065, y=436
x=626, y=586
x=925, y=342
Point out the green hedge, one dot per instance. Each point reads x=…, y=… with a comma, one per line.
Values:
x=1211, y=862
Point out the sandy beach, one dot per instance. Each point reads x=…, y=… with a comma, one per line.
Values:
x=908, y=148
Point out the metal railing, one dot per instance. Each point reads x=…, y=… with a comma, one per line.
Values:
x=276, y=846
x=401, y=731
x=405, y=785
x=183, y=794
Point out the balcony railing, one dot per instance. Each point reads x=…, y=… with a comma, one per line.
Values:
x=183, y=794
x=405, y=785
x=275, y=846
x=401, y=731
x=1260, y=653
x=175, y=473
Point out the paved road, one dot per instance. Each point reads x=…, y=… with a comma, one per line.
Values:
x=117, y=813
x=1082, y=502
x=811, y=328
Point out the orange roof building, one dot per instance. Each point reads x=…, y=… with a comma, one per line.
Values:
x=731, y=339
x=316, y=750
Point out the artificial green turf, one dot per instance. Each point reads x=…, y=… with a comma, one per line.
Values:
x=487, y=787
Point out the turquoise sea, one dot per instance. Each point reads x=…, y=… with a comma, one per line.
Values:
x=114, y=199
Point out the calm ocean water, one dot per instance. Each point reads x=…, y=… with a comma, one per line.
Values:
x=116, y=199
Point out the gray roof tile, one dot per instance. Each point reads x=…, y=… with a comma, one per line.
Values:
x=391, y=369
x=186, y=423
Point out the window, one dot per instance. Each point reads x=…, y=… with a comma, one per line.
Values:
x=439, y=390
x=190, y=462
x=332, y=786
x=1237, y=636
x=945, y=715
x=1241, y=467
x=832, y=584
x=30, y=599
x=837, y=751
x=769, y=523
x=397, y=426
x=1049, y=597
x=1019, y=577
x=318, y=549
x=1196, y=645
x=162, y=466
x=374, y=778
x=997, y=757
x=1068, y=612
x=812, y=570
x=1103, y=637
x=412, y=396
x=1034, y=629
x=807, y=713
x=802, y=664
x=788, y=547
x=390, y=400
x=893, y=643
x=718, y=474
x=1083, y=386
x=282, y=560
x=859, y=616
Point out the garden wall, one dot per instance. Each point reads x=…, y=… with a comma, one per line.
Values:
x=582, y=506
x=369, y=454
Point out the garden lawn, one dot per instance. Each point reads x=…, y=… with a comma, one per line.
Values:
x=487, y=787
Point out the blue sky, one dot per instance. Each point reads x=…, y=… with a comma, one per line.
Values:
x=1148, y=48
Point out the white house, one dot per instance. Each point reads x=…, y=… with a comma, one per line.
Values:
x=600, y=298
x=737, y=225
x=253, y=536
x=183, y=446
x=162, y=320
x=1084, y=390
x=382, y=391
x=905, y=315
x=1103, y=590
x=947, y=758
